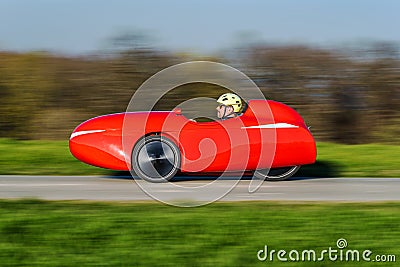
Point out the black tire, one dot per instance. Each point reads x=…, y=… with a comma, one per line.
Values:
x=155, y=159
x=276, y=174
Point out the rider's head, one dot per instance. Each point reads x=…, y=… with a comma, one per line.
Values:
x=229, y=105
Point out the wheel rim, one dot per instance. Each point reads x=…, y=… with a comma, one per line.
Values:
x=156, y=159
x=277, y=174
x=280, y=172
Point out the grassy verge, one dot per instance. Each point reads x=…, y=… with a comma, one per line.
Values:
x=39, y=233
x=53, y=158
x=369, y=160
x=42, y=158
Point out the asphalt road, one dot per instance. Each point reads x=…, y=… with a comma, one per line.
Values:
x=126, y=189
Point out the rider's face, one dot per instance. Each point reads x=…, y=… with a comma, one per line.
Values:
x=220, y=111
x=224, y=111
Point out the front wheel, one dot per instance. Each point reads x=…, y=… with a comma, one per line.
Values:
x=276, y=174
x=155, y=159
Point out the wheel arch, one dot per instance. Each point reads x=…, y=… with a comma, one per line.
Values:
x=163, y=134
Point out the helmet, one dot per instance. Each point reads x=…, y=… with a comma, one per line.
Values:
x=230, y=99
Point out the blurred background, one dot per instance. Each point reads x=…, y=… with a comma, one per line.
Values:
x=335, y=62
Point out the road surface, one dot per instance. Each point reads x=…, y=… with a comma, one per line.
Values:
x=126, y=189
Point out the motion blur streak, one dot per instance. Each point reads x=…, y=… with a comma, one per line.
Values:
x=347, y=94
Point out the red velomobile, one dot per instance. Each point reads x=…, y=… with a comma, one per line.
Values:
x=268, y=138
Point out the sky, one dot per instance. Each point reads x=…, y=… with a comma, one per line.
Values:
x=205, y=26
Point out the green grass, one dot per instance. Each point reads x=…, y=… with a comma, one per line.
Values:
x=41, y=158
x=54, y=158
x=39, y=233
x=368, y=160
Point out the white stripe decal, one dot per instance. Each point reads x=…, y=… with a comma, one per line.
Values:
x=75, y=134
x=272, y=126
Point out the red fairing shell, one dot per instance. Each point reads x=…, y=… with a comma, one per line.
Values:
x=268, y=134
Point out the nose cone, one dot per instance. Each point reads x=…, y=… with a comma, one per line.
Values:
x=98, y=142
x=85, y=141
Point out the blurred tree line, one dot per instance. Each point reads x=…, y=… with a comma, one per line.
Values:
x=346, y=95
